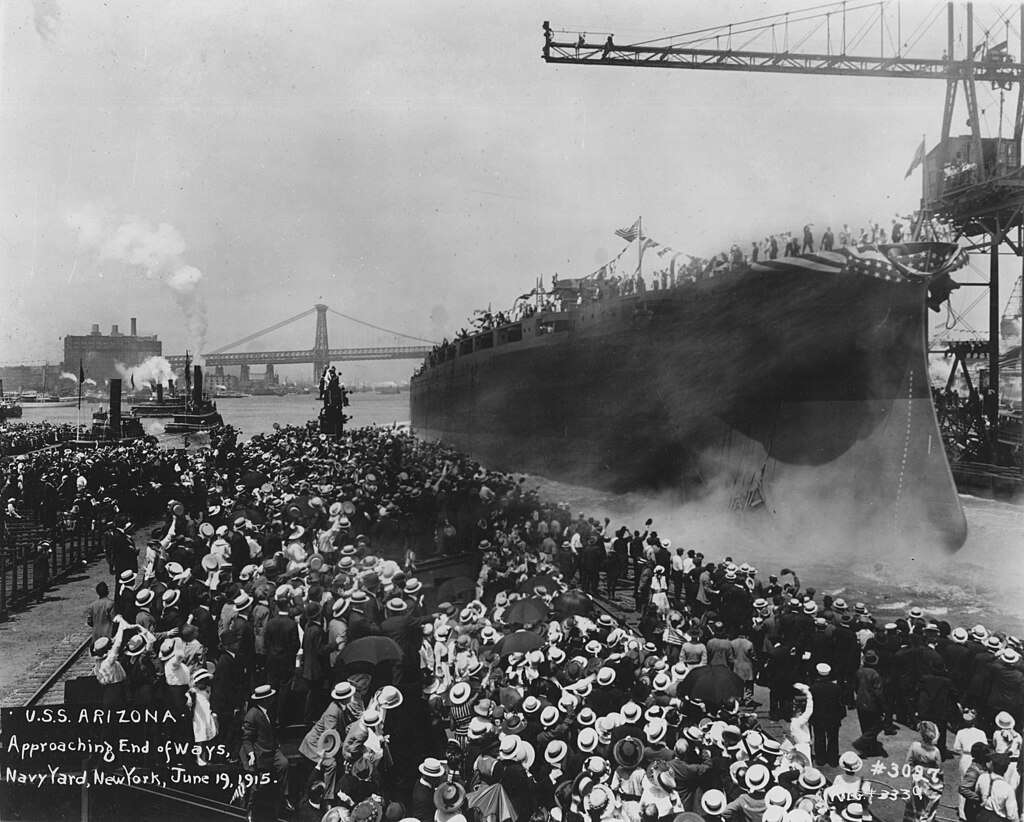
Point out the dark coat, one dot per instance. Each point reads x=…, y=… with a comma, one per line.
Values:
x=281, y=646
x=935, y=698
x=227, y=688
x=828, y=703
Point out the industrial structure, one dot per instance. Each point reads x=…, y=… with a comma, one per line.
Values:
x=100, y=354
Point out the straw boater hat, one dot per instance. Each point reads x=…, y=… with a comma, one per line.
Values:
x=143, y=597
x=713, y=802
x=329, y=744
x=555, y=751
x=242, y=601
x=850, y=762
x=432, y=768
x=170, y=597
x=343, y=691
x=811, y=779
x=460, y=693
x=1004, y=720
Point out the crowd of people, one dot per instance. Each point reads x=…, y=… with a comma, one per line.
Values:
x=22, y=437
x=263, y=606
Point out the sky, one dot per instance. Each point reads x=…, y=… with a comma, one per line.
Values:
x=213, y=168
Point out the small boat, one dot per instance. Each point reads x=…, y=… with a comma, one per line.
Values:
x=9, y=410
x=200, y=414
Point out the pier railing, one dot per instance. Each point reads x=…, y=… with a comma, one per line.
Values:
x=26, y=570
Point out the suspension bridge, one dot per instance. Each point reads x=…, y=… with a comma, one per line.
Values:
x=320, y=355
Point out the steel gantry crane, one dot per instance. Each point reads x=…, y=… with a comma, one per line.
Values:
x=974, y=182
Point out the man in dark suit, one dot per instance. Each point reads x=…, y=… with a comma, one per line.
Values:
x=281, y=645
x=226, y=693
x=259, y=751
x=827, y=716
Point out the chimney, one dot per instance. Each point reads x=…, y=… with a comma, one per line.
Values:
x=159, y=392
x=135, y=327
x=197, y=385
x=95, y=329
x=113, y=331
x=170, y=386
x=115, y=409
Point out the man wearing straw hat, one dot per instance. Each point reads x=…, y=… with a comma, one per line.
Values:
x=259, y=751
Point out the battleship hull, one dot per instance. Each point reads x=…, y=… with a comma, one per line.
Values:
x=790, y=388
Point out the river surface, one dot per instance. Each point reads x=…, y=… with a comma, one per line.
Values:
x=983, y=582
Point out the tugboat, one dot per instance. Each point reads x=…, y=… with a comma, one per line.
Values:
x=161, y=406
x=200, y=414
x=110, y=428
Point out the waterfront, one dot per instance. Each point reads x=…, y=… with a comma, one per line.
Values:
x=983, y=582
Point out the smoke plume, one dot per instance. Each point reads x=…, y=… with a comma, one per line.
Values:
x=147, y=373
x=155, y=250
x=67, y=375
x=46, y=18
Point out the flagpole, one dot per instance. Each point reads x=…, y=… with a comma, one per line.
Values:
x=78, y=414
x=923, y=174
x=640, y=247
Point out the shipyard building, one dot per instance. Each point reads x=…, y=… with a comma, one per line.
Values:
x=101, y=353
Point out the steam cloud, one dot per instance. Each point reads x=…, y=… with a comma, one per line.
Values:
x=156, y=250
x=147, y=373
x=46, y=18
x=67, y=375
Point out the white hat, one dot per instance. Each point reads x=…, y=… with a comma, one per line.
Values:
x=655, y=730
x=823, y=669
x=850, y=762
x=432, y=768
x=555, y=751
x=713, y=802
x=606, y=676
x=1004, y=720
x=460, y=693
x=549, y=716
x=631, y=712
x=757, y=777
x=509, y=746
x=586, y=740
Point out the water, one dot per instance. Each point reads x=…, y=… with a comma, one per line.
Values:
x=255, y=415
x=983, y=582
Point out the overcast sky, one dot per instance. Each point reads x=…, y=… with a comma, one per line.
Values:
x=402, y=162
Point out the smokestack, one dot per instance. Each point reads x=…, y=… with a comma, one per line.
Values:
x=1, y=389
x=115, y=408
x=197, y=385
x=113, y=331
x=170, y=386
x=159, y=392
x=135, y=327
x=96, y=329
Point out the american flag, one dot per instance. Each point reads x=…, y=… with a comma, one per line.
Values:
x=872, y=263
x=631, y=233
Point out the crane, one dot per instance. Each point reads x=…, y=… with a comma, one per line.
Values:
x=974, y=182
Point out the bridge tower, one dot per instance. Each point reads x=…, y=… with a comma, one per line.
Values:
x=320, y=346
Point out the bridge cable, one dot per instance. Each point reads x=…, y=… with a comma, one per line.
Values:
x=380, y=328
x=267, y=330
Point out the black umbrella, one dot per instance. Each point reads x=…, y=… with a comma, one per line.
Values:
x=575, y=603
x=526, y=611
x=521, y=642
x=456, y=589
x=372, y=649
x=715, y=685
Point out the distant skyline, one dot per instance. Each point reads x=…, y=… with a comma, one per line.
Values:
x=404, y=163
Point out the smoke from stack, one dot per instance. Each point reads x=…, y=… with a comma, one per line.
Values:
x=149, y=371
x=155, y=250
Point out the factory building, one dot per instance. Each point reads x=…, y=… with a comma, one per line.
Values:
x=100, y=353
